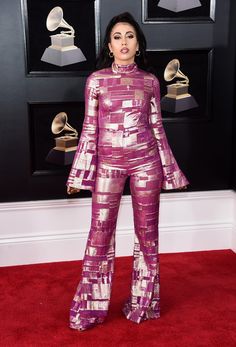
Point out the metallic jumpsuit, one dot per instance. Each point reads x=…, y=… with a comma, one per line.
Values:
x=122, y=136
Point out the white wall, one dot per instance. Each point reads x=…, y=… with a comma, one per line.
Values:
x=233, y=247
x=56, y=230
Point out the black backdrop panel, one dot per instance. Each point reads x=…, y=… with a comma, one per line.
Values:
x=154, y=12
x=197, y=66
x=203, y=148
x=80, y=14
x=41, y=116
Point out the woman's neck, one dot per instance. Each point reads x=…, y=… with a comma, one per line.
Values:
x=124, y=68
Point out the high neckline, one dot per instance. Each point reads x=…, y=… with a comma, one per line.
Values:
x=118, y=68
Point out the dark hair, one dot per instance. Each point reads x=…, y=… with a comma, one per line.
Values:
x=104, y=60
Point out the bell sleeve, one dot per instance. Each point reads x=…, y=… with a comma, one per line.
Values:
x=83, y=170
x=173, y=176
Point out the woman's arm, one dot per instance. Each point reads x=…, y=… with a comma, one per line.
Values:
x=83, y=170
x=173, y=176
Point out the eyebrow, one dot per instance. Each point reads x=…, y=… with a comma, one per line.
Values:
x=127, y=32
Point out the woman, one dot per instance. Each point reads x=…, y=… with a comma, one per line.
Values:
x=122, y=136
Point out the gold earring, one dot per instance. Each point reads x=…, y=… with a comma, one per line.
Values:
x=111, y=55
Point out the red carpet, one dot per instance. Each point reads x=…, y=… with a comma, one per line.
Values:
x=198, y=307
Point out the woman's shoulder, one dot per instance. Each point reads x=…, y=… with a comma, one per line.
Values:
x=93, y=80
x=100, y=73
x=150, y=76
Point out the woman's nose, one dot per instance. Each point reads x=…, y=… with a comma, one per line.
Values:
x=123, y=41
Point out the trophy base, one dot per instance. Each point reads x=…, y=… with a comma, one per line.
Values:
x=174, y=105
x=177, y=90
x=59, y=157
x=179, y=5
x=66, y=143
x=64, y=56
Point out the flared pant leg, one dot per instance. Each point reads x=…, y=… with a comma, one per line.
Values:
x=144, y=301
x=92, y=297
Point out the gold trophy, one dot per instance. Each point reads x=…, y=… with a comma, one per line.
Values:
x=66, y=145
x=177, y=98
x=179, y=5
x=62, y=50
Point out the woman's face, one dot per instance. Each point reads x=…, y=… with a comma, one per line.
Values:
x=123, y=43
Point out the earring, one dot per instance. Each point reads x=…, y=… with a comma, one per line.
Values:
x=111, y=55
x=138, y=53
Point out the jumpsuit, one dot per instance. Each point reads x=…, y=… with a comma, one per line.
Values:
x=122, y=136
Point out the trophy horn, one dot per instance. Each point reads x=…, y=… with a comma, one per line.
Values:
x=55, y=20
x=172, y=71
x=60, y=124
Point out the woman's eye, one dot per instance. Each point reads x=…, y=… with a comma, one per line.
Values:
x=130, y=36
x=116, y=37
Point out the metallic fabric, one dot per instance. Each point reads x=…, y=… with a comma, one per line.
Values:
x=122, y=136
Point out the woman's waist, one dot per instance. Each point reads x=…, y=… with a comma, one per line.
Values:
x=115, y=128
x=127, y=147
x=142, y=133
x=132, y=135
x=127, y=155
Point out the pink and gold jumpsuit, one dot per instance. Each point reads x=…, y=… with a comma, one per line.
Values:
x=122, y=136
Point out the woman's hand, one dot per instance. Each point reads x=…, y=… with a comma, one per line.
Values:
x=183, y=188
x=71, y=190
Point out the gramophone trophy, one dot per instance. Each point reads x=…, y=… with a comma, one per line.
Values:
x=177, y=98
x=179, y=5
x=62, y=50
x=63, y=152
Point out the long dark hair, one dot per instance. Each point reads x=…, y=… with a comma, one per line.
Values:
x=104, y=60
